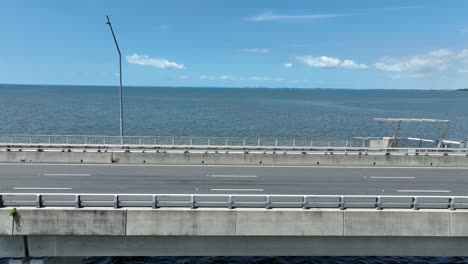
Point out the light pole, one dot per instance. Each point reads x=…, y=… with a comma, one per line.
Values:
x=120, y=76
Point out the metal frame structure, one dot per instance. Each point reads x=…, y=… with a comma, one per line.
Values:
x=398, y=121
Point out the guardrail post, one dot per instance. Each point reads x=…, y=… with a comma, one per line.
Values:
x=77, y=201
x=86, y=140
x=311, y=143
x=39, y=201
x=155, y=202
x=415, y=203
x=116, y=201
x=209, y=142
x=173, y=141
x=190, y=142
x=230, y=202
x=452, y=203
x=244, y=142
x=267, y=202
x=276, y=142
x=140, y=142
x=1, y=201
x=258, y=142
x=342, y=203
x=304, y=202
x=68, y=141
x=379, y=203
x=294, y=142
x=192, y=202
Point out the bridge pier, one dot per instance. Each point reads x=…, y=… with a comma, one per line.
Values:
x=55, y=260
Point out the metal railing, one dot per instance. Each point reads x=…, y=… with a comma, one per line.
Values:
x=231, y=201
x=181, y=141
x=316, y=145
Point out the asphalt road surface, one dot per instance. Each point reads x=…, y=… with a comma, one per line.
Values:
x=152, y=179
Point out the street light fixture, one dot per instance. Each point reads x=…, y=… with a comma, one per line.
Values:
x=120, y=76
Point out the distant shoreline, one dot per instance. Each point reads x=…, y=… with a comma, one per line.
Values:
x=217, y=87
x=463, y=90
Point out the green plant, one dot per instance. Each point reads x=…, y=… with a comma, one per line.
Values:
x=13, y=212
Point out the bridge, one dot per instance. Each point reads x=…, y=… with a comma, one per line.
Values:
x=66, y=197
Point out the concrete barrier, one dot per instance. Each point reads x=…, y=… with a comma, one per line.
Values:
x=65, y=232
x=54, y=157
x=268, y=159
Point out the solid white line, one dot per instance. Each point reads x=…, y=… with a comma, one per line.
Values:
x=378, y=177
x=232, y=176
x=237, y=190
x=39, y=188
x=65, y=174
x=425, y=191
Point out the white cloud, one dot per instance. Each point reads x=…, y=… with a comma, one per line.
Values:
x=437, y=60
x=155, y=62
x=288, y=65
x=328, y=62
x=256, y=50
x=233, y=78
x=270, y=16
x=266, y=79
x=409, y=76
x=164, y=27
x=213, y=78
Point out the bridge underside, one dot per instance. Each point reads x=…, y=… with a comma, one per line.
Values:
x=80, y=246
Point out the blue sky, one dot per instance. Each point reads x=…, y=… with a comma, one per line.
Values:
x=238, y=43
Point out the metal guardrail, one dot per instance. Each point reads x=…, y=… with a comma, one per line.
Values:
x=227, y=201
x=180, y=141
x=70, y=142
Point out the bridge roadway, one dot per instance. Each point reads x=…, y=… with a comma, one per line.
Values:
x=97, y=178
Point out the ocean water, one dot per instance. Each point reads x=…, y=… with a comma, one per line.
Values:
x=304, y=113
x=300, y=113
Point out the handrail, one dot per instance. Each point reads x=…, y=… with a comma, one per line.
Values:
x=231, y=201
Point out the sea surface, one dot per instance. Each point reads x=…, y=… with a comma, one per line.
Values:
x=243, y=112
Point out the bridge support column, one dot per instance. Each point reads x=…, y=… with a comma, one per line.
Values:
x=55, y=260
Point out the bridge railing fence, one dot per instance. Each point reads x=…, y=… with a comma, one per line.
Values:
x=181, y=141
x=232, y=201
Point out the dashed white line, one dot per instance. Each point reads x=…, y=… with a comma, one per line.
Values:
x=425, y=191
x=66, y=174
x=237, y=190
x=382, y=177
x=231, y=176
x=39, y=188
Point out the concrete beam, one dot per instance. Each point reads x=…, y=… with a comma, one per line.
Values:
x=424, y=223
x=69, y=221
x=246, y=246
x=181, y=222
x=289, y=222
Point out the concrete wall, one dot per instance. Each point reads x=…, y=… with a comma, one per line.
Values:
x=237, y=159
x=157, y=232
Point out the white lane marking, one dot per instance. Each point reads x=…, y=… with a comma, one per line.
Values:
x=383, y=177
x=66, y=174
x=425, y=191
x=39, y=188
x=231, y=176
x=233, y=166
x=237, y=190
